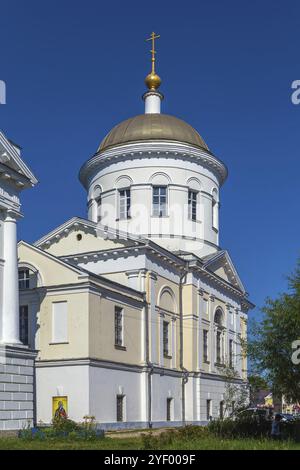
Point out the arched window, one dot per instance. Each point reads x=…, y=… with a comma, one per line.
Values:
x=192, y=205
x=123, y=186
x=194, y=188
x=95, y=204
x=218, y=321
x=160, y=183
x=28, y=277
x=124, y=203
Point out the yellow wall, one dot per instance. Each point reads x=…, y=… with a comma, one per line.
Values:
x=52, y=271
x=69, y=244
x=102, y=331
x=77, y=346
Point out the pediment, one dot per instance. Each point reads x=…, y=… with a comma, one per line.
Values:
x=222, y=266
x=10, y=159
x=78, y=236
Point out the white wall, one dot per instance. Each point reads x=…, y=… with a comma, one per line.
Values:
x=105, y=385
x=163, y=387
x=214, y=389
x=179, y=174
x=70, y=381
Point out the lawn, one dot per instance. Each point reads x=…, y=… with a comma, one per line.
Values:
x=136, y=443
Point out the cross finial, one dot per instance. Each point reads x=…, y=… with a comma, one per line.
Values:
x=153, y=51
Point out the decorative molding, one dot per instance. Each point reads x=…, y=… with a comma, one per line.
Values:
x=138, y=150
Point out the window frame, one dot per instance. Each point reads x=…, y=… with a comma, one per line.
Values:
x=219, y=347
x=124, y=214
x=192, y=204
x=23, y=322
x=231, y=353
x=99, y=208
x=166, y=339
x=205, y=345
x=24, y=283
x=222, y=409
x=169, y=414
x=63, y=316
x=119, y=326
x=208, y=409
x=160, y=209
x=120, y=405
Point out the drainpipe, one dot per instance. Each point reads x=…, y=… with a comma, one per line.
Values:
x=184, y=371
x=149, y=364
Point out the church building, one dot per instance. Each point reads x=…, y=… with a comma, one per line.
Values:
x=136, y=311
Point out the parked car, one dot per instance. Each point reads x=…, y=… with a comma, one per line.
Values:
x=287, y=417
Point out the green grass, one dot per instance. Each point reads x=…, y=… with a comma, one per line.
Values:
x=205, y=443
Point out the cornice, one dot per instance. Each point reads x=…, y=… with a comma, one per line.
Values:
x=150, y=149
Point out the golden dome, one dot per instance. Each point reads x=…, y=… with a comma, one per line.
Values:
x=149, y=127
x=153, y=81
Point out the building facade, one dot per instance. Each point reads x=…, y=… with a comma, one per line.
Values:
x=136, y=310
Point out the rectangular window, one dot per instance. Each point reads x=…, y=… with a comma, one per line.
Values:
x=24, y=278
x=192, y=205
x=205, y=345
x=218, y=347
x=166, y=338
x=208, y=410
x=23, y=319
x=230, y=353
x=99, y=209
x=118, y=326
x=59, y=322
x=120, y=408
x=221, y=409
x=169, y=409
x=124, y=203
x=159, y=201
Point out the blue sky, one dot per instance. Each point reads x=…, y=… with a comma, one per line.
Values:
x=74, y=69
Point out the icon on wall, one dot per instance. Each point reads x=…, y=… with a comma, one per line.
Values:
x=60, y=407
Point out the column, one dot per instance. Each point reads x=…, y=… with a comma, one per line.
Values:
x=10, y=305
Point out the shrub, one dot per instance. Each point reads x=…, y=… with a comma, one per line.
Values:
x=28, y=433
x=193, y=432
x=149, y=442
x=243, y=427
x=251, y=427
x=166, y=438
x=63, y=426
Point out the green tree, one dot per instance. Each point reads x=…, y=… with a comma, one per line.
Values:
x=256, y=383
x=236, y=391
x=270, y=348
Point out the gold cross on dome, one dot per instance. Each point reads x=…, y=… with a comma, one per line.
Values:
x=153, y=51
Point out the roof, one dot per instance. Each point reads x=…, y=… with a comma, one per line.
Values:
x=10, y=158
x=146, y=127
